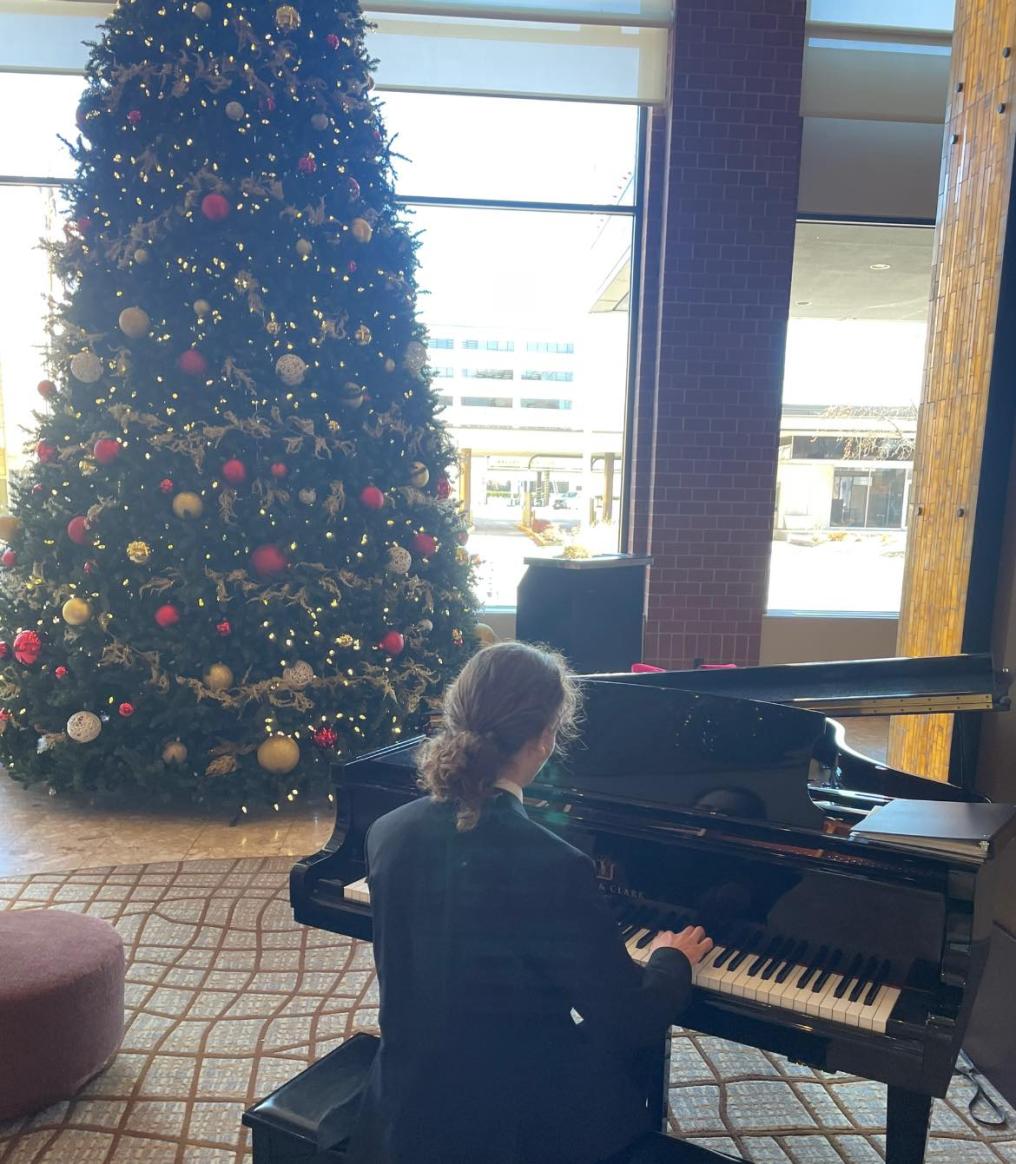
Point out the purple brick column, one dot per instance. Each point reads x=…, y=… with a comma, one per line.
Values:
x=708, y=413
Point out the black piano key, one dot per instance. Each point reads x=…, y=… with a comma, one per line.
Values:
x=830, y=968
x=749, y=948
x=732, y=948
x=876, y=986
x=776, y=961
x=646, y=938
x=794, y=958
x=638, y=921
x=763, y=958
x=851, y=972
x=864, y=979
x=813, y=967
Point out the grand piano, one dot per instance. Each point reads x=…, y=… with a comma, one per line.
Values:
x=851, y=904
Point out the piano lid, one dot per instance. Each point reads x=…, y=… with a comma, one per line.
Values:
x=660, y=747
x=865, y=687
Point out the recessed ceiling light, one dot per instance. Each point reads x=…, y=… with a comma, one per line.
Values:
x=880, y=267
x=802, y=302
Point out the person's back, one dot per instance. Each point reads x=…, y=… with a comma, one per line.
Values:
x=488, y=931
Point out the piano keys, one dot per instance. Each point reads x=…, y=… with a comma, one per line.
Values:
x=850, y=953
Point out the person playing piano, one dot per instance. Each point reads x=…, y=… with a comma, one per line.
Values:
x=490, y=937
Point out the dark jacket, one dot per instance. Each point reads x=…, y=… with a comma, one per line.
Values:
x=485, y=941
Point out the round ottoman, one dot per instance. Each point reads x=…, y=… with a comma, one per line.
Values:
x=61, y=1005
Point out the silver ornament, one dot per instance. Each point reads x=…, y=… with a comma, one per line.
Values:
x=235, y=111
x=291, y=370
x=414, y=357
x=298, y=674
x=86, y=367
x=399, y=560
x=425, y=625
x=83, y=727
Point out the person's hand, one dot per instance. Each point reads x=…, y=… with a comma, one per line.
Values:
x=691, y=941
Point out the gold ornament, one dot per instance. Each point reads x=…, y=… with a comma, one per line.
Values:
x=298, y=675
x=141, y=256
x=87, y=467
x=344, y=641
x=76, y=612
x=389, y=365
x=461, y=555
x=291, y=370
x=202, y=11
x=457, y=638
x=10, y=527
x=304, y=248
x=419, y=474
x=273, y=327
x=202, y=307
x=485, y=634
x=174, y=753
x=134, y=322
x=351, y=394
x=279, y=755
x=235, y=111
x=287, y=18
x=219, y=677
x=321, y=121
x=86, y=367
x=361, y=230
x=83, y=727
x=139, y=552
x=575, y=552
x=362, y=335
x=188, y=505
x=308, y=496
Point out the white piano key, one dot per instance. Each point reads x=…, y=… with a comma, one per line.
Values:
x=884, y=1008
x=827, y=1006
x=358, y=891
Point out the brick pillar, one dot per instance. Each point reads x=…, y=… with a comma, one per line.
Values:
x=726, y=170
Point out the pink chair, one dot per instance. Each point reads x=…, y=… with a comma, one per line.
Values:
x=61, y=1005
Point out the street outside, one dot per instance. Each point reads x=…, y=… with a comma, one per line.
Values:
x=857, y=574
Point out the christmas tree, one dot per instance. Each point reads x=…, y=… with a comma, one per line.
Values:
x=234, y=559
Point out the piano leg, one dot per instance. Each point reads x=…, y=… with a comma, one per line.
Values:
x=654, y=1073
x=907, y=1117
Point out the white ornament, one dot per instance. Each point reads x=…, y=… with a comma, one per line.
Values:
x=304, y=248
x=415, y=356
x=235, y=111
x=425, y=625
x=202, y=307
x=86, y=367
x=134, y=322
x=308, y=496
x=43, y=744
x=399, y=560
x=291, y=370
x=298, y=675
x=83, y=727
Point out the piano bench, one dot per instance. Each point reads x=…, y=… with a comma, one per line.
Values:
x=284, y=1126
x=656, y=1148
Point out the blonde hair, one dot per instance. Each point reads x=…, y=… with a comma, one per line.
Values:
x=505, y=696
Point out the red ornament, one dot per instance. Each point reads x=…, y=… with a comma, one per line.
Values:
x=5, y=715
x=166, y=485
x=353, y=189
x=79, y=530
x=5, y=650
x=91, y=566
x=61, y=672
x=235, y=472
x=45, y=452
x=307, y=164
x=351, y=266
x=107, y=450
x=333, y=40
x=268, y=561
x=267, y=104
x=38, y=488
x=126, y=710
x=444, y=488
x=27, y=647
x=9, y=558
x=167, y=616
x=192, y=363
x=325, y=737
x=224, y=628
x=215, y=207
x=47, y=389
x=134, y=117
x=393, y=643
x=425, y=544
x=372, y=497
x=84, y=225
x=279, y=469
x=462, y=537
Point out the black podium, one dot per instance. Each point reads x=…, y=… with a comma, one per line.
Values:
x=589, y=609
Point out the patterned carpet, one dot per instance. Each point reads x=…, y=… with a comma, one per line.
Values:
x=228, y=998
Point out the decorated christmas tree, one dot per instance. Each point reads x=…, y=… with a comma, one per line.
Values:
x=234, y=559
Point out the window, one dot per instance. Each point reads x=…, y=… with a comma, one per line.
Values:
x=852, y=385
x=488, y=373
x=487, y=401
x=545, y=346
x=442, y=373
x=559, y=405
x=559, y=377
x=445, y=344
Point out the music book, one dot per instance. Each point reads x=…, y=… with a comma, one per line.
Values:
x=938, y=826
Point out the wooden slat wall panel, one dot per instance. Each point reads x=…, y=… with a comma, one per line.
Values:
x=977, y=174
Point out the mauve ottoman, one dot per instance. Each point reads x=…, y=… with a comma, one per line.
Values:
x=61, y=1005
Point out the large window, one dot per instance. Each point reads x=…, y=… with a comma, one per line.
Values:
x=525, y=257
x=852, y=384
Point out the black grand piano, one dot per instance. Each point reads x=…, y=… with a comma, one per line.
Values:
x=851, y=903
